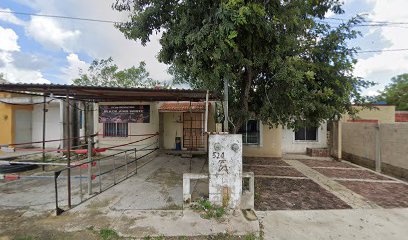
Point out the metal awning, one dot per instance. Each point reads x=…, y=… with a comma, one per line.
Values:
x=182, y=107
x=108, y=94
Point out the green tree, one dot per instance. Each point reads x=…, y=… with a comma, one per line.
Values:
x=2, y=78
x=396, y=92
x=284, y=63
x=105, y=73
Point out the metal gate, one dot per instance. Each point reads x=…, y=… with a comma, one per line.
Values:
x=193, y=130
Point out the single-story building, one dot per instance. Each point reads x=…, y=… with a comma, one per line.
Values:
x=122, y=115
x=21, y=120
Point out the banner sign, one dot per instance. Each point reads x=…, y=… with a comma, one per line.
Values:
x=124, y=113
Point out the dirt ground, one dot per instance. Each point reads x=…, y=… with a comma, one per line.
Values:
x=294, y=194
x=279, y=185
x=387, y=195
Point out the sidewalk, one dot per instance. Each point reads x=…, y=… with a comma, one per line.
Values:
x=345, y=224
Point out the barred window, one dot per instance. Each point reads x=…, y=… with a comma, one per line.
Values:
x=306, y=134
x=250, y=132
x=115, y=129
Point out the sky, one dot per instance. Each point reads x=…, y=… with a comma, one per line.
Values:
x=37, y=49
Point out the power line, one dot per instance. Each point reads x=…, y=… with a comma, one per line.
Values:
x=62, y=17
x=384, y=50
x=371, y=21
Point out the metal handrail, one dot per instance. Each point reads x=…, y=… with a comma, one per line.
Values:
x=112, y=157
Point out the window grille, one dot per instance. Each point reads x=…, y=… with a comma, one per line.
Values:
x=115, y=129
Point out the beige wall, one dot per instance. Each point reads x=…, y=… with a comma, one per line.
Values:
x=360, y=139
x=270, y=146
x=382, y=113
x=172, y=128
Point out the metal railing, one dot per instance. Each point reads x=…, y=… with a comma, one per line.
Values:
x=110, y=170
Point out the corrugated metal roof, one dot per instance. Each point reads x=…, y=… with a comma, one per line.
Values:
x=182, y=107
x=105, y=94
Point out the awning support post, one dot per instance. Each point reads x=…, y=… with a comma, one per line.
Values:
x=43, y=132
x=68, y=149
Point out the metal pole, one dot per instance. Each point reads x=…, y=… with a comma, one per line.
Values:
x=225, y=105
x=43, y=133
x=191, y=135
x=378, y=149
x=206, y=113
x=69, y=149
x=114, y=171
x=126, y=166
x=100, y=180
x=85, y=119
x=89, y=165
x=80, y=183
x=56, y=174
x=135, y=161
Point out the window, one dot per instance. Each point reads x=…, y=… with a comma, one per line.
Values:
x=115, y=129
x=306, y=134
x=250, y=132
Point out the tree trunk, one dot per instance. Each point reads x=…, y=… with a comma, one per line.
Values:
x=243, y=106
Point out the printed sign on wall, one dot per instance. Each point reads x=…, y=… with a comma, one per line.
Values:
x=124, y=113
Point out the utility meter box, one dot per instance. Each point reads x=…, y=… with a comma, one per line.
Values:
x=225, y=169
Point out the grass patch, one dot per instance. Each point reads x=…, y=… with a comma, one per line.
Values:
x=108, y=234
x=24, y=238
x=208, y=210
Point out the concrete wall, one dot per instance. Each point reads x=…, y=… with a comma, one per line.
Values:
x=289, y=145
x=382, y=113
x=270, y=145
x=53, y=124
x=359, y=145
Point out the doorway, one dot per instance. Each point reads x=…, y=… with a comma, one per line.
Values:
x=22, y=126
x=193, y=131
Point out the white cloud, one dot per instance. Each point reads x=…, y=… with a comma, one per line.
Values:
x=51, y=35
x=8, y=40
x=98, y=40
x=8, y=45
x=9, y=17
x=394, y=62
x=74, y=65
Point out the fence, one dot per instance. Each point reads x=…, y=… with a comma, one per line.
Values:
x=382, y=146
x=109, y=170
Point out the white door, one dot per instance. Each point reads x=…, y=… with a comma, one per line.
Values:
x=22, y=126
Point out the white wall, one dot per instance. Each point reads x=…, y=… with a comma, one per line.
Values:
x=289, y=145
x=53, y=124
x=134, y=128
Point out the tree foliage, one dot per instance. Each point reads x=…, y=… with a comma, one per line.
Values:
x=2, y=78
x=284, y=63
x=105, y=73
x=396, y=92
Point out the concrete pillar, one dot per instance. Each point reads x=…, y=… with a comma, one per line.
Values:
x=378, y=148
x=225, y=169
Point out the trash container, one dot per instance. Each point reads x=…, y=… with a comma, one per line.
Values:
x=178, y=143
